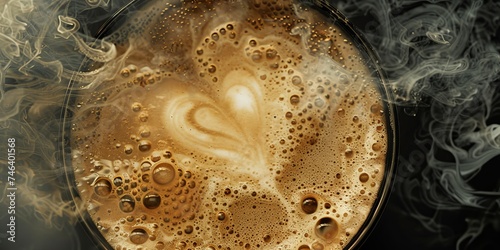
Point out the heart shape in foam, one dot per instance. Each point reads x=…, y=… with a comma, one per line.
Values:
x=226, y=125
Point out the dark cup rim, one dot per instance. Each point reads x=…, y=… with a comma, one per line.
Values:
x=323, y=6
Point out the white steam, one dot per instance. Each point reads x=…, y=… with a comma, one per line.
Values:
x=442, y=59
x=42, y=47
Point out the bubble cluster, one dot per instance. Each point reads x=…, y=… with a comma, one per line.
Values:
x=241, y=125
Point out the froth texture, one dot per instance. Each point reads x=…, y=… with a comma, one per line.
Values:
x=231, y=125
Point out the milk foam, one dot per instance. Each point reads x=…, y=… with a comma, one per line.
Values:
x=235, y=125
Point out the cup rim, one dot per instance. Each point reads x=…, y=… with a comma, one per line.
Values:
x=390, y=114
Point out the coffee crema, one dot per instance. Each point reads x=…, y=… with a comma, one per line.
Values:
x=231, y=125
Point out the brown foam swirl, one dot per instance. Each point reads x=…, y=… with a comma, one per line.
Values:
x=260, y=127
x=227, y=127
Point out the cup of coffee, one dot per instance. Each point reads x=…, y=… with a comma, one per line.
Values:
x=236, y=124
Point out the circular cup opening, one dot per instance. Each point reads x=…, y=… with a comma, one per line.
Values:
x=273, y=116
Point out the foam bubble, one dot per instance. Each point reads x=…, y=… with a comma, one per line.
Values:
x=309, y=205
x=102, y=187
x=138, y=236
x=152, y=200
x=163, y=173
x=127, y=204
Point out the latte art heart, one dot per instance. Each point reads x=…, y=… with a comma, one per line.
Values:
x=225, y=128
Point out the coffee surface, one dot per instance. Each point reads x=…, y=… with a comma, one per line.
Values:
x=231, y=125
